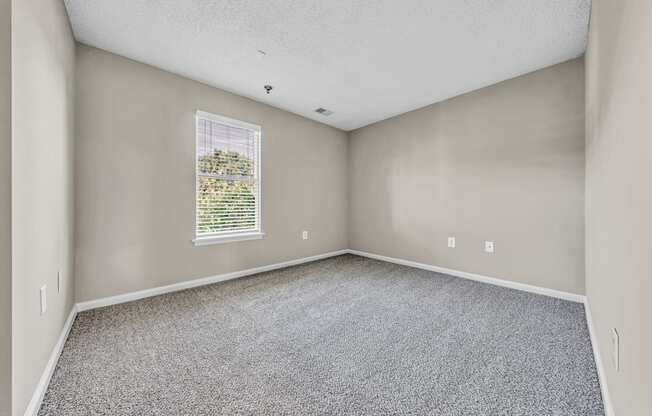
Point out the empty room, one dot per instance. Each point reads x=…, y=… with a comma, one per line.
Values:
x=310, y=207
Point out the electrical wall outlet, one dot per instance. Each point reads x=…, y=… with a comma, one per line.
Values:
x=304, y=235
x=489, y=246
x=615, y=348
x=44, y=300
x=451, y=242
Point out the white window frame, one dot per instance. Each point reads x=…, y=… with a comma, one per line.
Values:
x=230, y=236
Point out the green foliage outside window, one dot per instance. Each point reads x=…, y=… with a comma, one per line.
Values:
x=226, y=200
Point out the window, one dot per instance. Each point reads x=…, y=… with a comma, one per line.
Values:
x=228, y=180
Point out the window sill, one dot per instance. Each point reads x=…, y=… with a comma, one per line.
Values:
x=221, y=239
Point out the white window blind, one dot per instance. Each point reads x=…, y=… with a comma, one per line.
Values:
x=228, y=177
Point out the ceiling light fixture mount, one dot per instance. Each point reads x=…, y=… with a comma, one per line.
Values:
x=268, y=88
x=323, y=111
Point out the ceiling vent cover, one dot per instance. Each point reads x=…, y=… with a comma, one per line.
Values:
x=323, y=111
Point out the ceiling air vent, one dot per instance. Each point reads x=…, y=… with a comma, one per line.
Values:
x=323, y=111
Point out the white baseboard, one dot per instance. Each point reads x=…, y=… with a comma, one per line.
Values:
x=602, y=376
x=128, y=297
x=42, y=386
x=606, y=398
x=573, y=297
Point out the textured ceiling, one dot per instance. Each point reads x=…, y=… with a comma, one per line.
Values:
x=365, y=60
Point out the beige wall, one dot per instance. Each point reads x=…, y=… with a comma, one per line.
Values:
x=135, y=180
x=5, y=207
x=618, y=195
x=43, y=140
x=504, y=163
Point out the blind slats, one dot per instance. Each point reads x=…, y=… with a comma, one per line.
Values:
x=227, y=178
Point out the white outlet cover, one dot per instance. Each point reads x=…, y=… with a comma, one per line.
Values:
x=615, y=348
x=44, y=301
x=451, y=242
x=304, y=235
x=59, y=281
x=489, y=246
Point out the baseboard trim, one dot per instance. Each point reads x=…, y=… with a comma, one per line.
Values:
x=141, y=294
x=42, y=386
x=602, y=376
x=573, y=297
x=39, y=393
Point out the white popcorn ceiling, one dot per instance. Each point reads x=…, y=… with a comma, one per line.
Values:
x=365, y=60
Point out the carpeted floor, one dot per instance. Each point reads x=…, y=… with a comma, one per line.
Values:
x=342, y=336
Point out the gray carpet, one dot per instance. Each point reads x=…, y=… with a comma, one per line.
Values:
x=342, y=336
